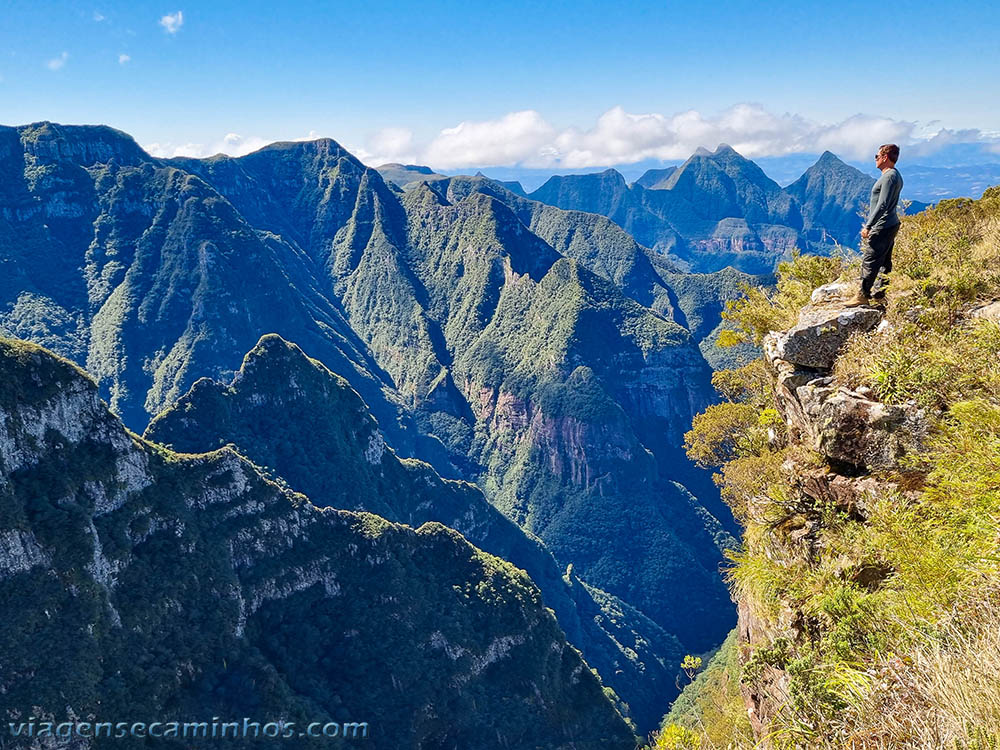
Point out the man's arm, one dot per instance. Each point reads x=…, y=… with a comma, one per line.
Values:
x=881, y=211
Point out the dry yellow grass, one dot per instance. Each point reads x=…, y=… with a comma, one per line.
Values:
x=945, y=693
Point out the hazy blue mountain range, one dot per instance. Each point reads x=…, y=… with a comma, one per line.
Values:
x=719, y=209
x=830, y=196
x=534, y=351
x=139, y=582
x=931, y=172
x=932, y=183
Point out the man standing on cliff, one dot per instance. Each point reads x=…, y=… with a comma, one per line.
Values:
x=879, y=231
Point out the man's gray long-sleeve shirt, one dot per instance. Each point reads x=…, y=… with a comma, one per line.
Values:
x=885, y=196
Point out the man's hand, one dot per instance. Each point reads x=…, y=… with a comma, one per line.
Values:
x=864, y=233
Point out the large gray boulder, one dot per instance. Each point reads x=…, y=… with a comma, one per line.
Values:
x=823, y=328
x=847, y=427
x=842, y=425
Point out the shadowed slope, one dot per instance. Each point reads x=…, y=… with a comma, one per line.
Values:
x=167, y=584
x=292, y=415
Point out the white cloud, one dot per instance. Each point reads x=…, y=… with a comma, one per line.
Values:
x=57, y=63
x=98, y=16
x=859, y=136
x=619, y=137
x=232, y=144
x=930, y=142
x=517, y=137
x=387, y=145
x=123, y=58
x=172, y=22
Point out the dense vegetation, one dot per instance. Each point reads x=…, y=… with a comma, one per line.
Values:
x=311, y=430
x=533, y=351
x=140, y=584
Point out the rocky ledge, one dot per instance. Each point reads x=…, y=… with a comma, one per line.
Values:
x=855, y=444
x=848, y=428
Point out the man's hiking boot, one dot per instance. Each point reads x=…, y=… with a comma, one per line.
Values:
x=879, y=296
x=857, y=300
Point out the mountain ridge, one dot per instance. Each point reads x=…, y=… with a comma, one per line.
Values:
x=719, y=208
x=478, y=345
x=317, y=435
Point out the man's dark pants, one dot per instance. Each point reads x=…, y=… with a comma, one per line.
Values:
x=877, y=256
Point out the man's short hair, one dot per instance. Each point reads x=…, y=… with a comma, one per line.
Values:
x=891, y=150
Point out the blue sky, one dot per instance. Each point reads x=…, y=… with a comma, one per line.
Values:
x=576, y=84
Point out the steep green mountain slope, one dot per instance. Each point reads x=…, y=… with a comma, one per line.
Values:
x=143, y=584
x=289, y=413
x=701, y=299
x=543, y=380
x=693, y=300
x=599, y=244
x=577, y=393
x=149, y=278
x=351, y=225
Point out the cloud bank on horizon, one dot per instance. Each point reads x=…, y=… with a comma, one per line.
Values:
x=526, y=139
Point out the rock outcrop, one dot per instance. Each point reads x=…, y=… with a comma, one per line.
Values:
x=844, y=426
x=988, y=312
x=823, y=328
x=855, y=443
x=848, y=428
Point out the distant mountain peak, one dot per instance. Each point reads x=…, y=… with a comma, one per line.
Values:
x=829, y=163
x=84, y=144
x=725, y=148
x=405, y=174
x=701, y=151
x=319, y=144
x=416, y=168
x=273, y=346
x=828, y=158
